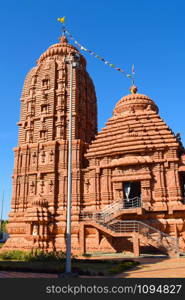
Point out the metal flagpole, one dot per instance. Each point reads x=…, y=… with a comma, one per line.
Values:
x=69, y=188
x=72, y=65
x=133, y=73
x=2, y=212
x=69, y=177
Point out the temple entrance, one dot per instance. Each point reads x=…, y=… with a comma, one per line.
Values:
x=132, y=194
x=182, y=184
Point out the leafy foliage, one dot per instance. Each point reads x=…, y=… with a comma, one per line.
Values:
x=122, y=266
x=46, y=256
x=4, y=225
x=13, y=255
x=32, y=256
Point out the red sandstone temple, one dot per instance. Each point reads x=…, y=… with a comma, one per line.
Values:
x=128, y=180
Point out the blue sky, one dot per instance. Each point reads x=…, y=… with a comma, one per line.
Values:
x=150, y=34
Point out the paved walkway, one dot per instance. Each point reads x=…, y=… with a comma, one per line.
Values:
x=6, y=274
x=157, y=268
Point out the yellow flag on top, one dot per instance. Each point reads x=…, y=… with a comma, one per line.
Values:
x=61, y=20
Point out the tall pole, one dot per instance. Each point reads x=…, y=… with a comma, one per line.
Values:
x=2, y=212
x=69, y=188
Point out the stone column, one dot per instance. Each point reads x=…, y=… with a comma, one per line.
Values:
x=82, y=238
x=105, y=186
x=98, y=187
x=146, y=196
x=136, y=244
x=173, y=185
x=159, y=188
x=92, y=189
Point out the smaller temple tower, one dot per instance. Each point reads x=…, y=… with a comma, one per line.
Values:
x=135, y=178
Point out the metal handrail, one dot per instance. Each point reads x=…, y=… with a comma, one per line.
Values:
x=112, y=208
x=123, y=203
x=133, y=202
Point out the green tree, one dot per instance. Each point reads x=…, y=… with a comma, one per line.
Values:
x=4, y=225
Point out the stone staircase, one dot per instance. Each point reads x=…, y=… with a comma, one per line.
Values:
x=148, y=235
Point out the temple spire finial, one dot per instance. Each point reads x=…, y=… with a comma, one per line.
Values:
x=63, y=39
x=133, y=89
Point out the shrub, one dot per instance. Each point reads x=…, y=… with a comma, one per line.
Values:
x=123, y=266
x=46, y=256
x=4, y=225
x=32, y=256
x=13, y=255
x=86, y=255
x=100, y=274
x=1, y=245
x=87, y=272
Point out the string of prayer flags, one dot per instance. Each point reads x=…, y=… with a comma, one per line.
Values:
x=81, y=47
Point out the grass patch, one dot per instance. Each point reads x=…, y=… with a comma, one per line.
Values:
x=1, y=245
x=90, y=268
x=54, y=262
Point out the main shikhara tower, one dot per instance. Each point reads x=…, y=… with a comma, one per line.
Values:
x=128, y=181
x=38, y=210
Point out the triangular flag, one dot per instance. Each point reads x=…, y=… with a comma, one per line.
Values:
x=61, y=20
